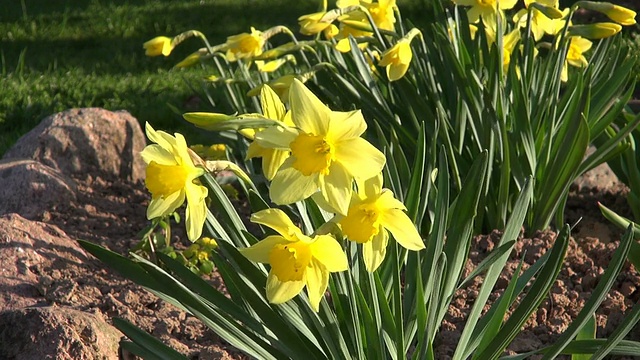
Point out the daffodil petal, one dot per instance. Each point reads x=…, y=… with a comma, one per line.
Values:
x=160, y=137
x=403, y=230
x=307, y=111
x=277, y=220
x=289, y=185
x=361, y=158
x=196, y=212
x=158, y=154
x=279, y=292
x=374, y=251
x=372, y=186
x=260, y=251
x=346, y=125
x=337, y=187
x=181, y=148
x=272, y=160
x=276, y=137
x=388, y=201
x=317, y=279
x=322, y=203
x=162, y=207
x=329, y=253
x=272, y=107
x=396, y=72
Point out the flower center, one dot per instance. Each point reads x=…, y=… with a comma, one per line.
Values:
x=361, y=222
x=574, y=53
x=312, y=153
x=164, y=180
x=248, y=44
x=289, y=261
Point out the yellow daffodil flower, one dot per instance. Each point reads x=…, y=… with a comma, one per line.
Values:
x=311, y=24
x=296, y=260
x=575, y=55
x=327, y=152
x=617, y=13
x=170, y=178
x=272, y=108
x=540, y=23
x=160, y=45
x=485, y=9
x=245, y=45
x=397, y=58
x=373, y=213
x=595, y=31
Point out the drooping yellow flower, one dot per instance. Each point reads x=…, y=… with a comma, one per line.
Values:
x=296, y=260
x=327, y=152
x=273, y=109
x=170, y=178
x=397, y=58
x=540, y=23
x=617, y=13
x=575, y=55
x=245, y=45
x=373, y=213
x=160, y=45
x=311, y=24
x=599, y=30
x=485, y=9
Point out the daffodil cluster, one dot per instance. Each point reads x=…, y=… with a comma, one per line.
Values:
x=311, y=151
x=545, y=18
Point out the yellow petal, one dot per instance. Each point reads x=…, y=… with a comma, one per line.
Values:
x=388, y=201
x=277, y=220
x=373, y=186
x=279, y=292
x=272, y=161
x=346, y=125
x=396, y=72
x=276, y=137
x=164, y=206
x=159, y=137
x=403, y=230
x=289, y=185
x=259, y=252
x=307, y=111
x=196, y=212
x=374, y=251
x=158, y=154
x=317, y=279
x=337, y=187
x=272, y=107
x=327, y=251
x=361, y=159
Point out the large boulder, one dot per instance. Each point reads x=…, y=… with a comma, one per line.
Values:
x=59, y=333
x=30, y=188
x=80, y=142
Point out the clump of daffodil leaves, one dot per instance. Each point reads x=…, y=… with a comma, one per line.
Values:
x=369, y=154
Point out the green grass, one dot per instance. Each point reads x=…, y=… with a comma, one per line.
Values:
x=56, y=55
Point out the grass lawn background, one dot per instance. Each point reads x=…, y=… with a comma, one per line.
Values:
x=56, y=55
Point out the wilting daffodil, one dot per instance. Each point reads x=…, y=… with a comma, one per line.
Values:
x=373, y=213
x=397, y=58
x=245, y=45
x=272, y=108
x=617, y=13
x=160, y=45
x=327, y=152
x=170, y=178
x=575, y=55
x=296, y=260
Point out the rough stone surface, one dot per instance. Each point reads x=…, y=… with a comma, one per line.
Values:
x=29, y=188
x=59, y=333
x=29, y=250
x=86, y=141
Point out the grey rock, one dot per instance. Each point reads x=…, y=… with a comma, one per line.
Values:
x=79, y=142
